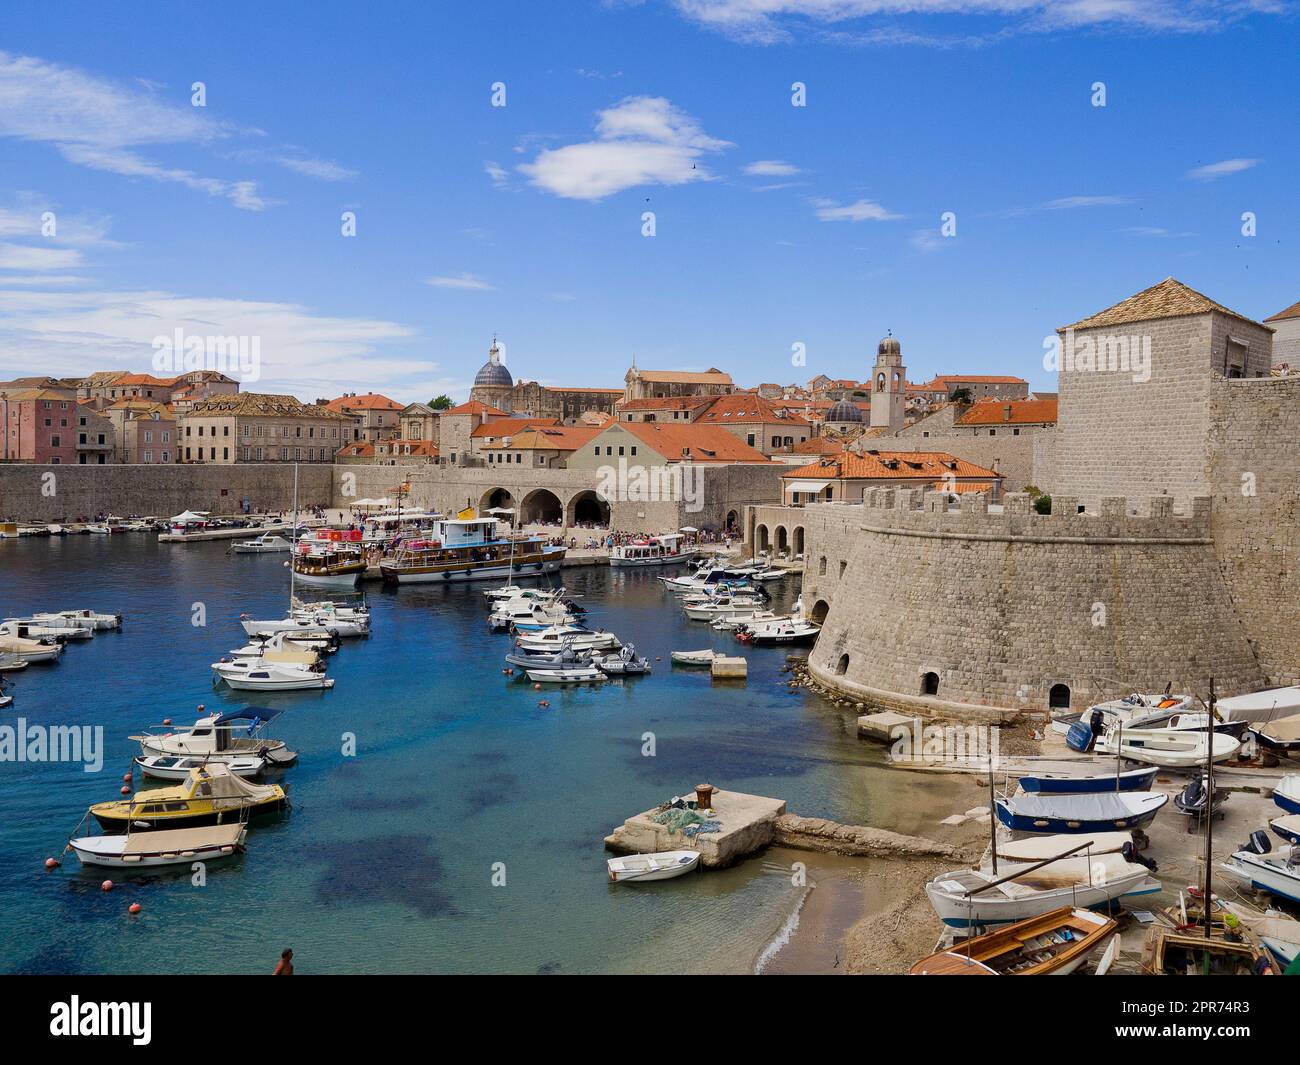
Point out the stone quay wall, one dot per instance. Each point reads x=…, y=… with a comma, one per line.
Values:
x=1003, y=607
x=45, y=494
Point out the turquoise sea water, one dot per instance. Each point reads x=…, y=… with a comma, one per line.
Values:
x=386, y=862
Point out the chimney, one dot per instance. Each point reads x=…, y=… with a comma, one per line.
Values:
x=1006, y=412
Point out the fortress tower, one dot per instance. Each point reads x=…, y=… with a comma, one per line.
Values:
x=888, y=385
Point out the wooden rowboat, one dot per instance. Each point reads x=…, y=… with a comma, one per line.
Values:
x=1052, y=944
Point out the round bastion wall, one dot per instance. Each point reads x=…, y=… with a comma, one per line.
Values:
x=940, y=610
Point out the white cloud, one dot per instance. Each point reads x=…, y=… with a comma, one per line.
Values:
x=928, y=240
x=771, y=168
x=1067, y=203
x=324, y=169
x=499, y=175
x=858, y=211
x=469, y=282
x=1221, y=169
x=24, y=257
x=642, y=140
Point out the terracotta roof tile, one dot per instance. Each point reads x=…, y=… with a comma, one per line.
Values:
x=1010, y=412
x=696, y=443
x=509, y=426
x=891, y=465
x=1168, y=299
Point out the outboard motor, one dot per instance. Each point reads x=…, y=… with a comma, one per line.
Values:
x=1258, y=843
x=1132, y=854
x=1083, y=737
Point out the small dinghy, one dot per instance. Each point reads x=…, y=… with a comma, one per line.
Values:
x=1287, y=793
x=1169, y=748
x=147, y=850
x=1100, y=812
x=1282, y=735
x=1287, y=827
x=1061, y=784
x=173, y=767
x=575, y=674
x=1256, y=863
x=11, y=663
x=694, y=658
x=1178, y=944
x=663, y=865
x=1053, y=944
x=627, y=663
x=1040, y=848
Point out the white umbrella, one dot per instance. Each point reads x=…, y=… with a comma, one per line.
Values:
x=190, y=515
x=688, y=528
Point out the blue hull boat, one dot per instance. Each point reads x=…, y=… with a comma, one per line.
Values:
x=1096, y=812
x=1055, y=784
x=1287, y=793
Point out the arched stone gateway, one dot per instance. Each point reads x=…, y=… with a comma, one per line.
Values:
x=496, y=497
x=1059, y=697
x=761, y=540
x=798, y=540
x=587, y=508
x=819, y=611
x=541, y=505
x=782, y=540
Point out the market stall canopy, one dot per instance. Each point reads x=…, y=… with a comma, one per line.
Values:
x=190, y=515
x=364, y=503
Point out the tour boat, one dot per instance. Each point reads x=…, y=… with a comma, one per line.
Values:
x=210, y=795
x=327, y=567
x=1169, y=748
x=256, y=674
x=663, y=865
x=974, y=897
x=577, y=637
x=1052, y=944
x=469, y=549
x=174, y=767
x=1061, y=784
x=662, y=550
x=174, y=846
x=578, y=673
x=1264, y=869
x=626, y=663
x=1287, y=793
x=87, y=619
x=1098, y=812
x=220, y=737
x=266, y=544
x=789, y=630
x=1280, y=735
x=31, y=650
x=694, y=658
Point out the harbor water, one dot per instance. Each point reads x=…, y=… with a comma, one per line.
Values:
x=443, y=820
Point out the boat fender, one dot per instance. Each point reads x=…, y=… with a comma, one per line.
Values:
x=537, y=687
x=107, y=885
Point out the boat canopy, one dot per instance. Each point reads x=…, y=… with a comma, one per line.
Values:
x=257, y=715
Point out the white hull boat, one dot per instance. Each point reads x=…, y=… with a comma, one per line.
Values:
x=253, y=674
x=89, y=619
x=219, y=738
x=664, y=865
x=147, y=850
x=342, y=627
x=724, y=609
x=27, y=629
x=172, y=767
x=793, y=630
x=579, y=674
x=966, y=897
x=557, y=637
x=1168, y=748
x=31, y=650
x=267, y=544
x=1276, y=872
x=11, y=663
x=1260, y=706
x=694, y=658
x=1040, y=848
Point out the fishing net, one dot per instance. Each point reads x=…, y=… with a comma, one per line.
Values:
x=689, y=823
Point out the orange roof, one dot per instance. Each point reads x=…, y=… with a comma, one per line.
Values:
x=1290, y=312
x=818, y=445
x=509, y=426
x=740, y=408
x=357, y=447
x=549, y=438
x=370, y=401
x=145, y=379
x=475, y=406
x=693, y=443
x=1010, y=412
x=711, y=376
x=891, y=465
x=407, y=447
x=980, y=379
x=1169, y=299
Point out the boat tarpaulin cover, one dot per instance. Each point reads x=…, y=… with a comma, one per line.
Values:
x=221, y=784
x=183, y=839
x=1102, y=806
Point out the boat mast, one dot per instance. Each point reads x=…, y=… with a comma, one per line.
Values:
x=1206, y=904
x=993, y=805
x=293, y=536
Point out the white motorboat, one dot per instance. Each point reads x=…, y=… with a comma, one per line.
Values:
x=11, y=663
x=664, y=865
x=220, y=738
x=309, y=621
x=1287, y=793
x=969, y=897
x=87, y=619
x=266, y=544
x=31, y=650
x=662, y=550
x=724, y=606
x=28, y=629
x=1140, y=710
x=1277, y=872
x=174, y=846
x=1260, y=706
x=98, y=529
x=528, y=615
x=694, y=658
x=578, y=673
x=1169, y=748
x=256, y=674
x=177, y=767
x=302, y=649
x=735, y=622
x=557, y=636
x=787, y=630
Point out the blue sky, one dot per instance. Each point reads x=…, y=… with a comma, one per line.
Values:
x=775, y=225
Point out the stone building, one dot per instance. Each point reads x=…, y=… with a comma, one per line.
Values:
x=888, y=386
x=146, y=433
x=665, y=384
x=1286, y=337
x=456, y=429
x=845, y=476
x=38, y=425
x=378, y=417
x=539, y=446
x=756, y=421
x=96, y=441
x=564, y=405
x=419, y=421
x=260, y=427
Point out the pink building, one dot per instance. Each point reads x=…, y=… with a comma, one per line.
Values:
x=39, y=425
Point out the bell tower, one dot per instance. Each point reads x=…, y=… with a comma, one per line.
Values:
x=888, y=385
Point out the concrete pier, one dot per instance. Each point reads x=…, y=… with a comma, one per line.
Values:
x=748, y=824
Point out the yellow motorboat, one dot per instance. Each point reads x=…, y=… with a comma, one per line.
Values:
x=211, y=795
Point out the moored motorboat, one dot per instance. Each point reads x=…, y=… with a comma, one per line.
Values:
x=257, y=674
x=663, y=865
x=11, y=663
x=177, y=767
x=579, y=673
x=29, y=650
x=1055, y=943
x=786, y=631
x=1265, y=869
x=220, y=737
x=626, y=663
x=89, y=619
x=556, y=637
x=1096, y=812
x=211, y=795
x=266, y=544
x=53, y=628
x=148, y=850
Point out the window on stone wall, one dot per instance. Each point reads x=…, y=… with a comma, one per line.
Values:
x=843, y=566
x=930, y=684
x=1059, y=697
x=821, y=566
x=842, y=666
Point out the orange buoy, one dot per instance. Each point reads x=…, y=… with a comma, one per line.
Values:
x=168, y=720
x=545, y=704
x=126, y=789
x=135, y=907
x=537, y=687
x=126, y=778
x=107, y=885
x=51, y=863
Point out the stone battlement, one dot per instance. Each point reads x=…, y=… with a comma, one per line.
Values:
x=1118, y=519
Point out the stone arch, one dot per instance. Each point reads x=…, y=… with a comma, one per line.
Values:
x=930, y=683
x=496, y=497
x=842, y=666
x=819, y=611
x=733, y=519
x=761, y=541
x=798, y=539
x=587, y=508
x=1058, y=698
x=541, y=505
x=782, y=539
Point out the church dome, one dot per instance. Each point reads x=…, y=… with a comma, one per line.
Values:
x=493, y=374
x=844, y=411
x=889, y=346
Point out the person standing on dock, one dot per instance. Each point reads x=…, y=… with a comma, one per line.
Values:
x=284, y=967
